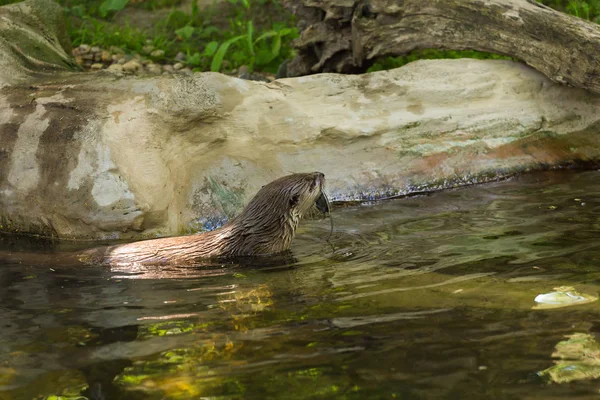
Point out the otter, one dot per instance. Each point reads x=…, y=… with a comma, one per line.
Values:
x=266, y=226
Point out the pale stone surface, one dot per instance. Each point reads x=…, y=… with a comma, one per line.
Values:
x=100, y=155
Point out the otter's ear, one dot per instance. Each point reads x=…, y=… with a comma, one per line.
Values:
x=294, y=200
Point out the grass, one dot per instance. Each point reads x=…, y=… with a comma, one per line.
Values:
x=589, y=9
x=209, y=40
x=248, y=34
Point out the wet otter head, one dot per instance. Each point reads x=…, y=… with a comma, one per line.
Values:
x=268, y=223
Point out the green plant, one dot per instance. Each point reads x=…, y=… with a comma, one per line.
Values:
x=586, y=9
x=108, y=6
x=185, y=33
x=215, y=66
x=245, y=35
x=94, y=32
x=200, y=59
x=258, y=52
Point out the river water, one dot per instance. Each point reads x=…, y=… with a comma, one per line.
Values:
x=430, y=297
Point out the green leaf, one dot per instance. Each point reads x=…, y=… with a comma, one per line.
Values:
x=239, y=57
x=195, y=9
x=211, y=48
x=265, y=36
x=78, y=11
x=215, y=66
x=111, y=5
x=194, y=59
x=208, y=31
x=285, y=31
x=264, y=57
x=276, y=46
x=186, y=32
x=250, y=34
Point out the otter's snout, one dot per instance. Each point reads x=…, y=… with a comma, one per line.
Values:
x=320, y=178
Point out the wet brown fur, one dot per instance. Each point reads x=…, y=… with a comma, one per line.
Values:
x=266, y=226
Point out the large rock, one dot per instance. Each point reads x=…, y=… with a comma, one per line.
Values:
x=97, y=155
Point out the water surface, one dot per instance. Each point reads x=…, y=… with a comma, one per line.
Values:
x=425, y=297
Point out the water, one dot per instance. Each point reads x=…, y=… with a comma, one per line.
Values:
x=423, y=298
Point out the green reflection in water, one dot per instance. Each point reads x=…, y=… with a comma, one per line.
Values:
x=579, y=359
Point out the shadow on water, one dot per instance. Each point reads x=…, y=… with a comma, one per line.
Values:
x=425, y=297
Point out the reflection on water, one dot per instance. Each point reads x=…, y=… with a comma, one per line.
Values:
x=578, y=358
x=427, y=297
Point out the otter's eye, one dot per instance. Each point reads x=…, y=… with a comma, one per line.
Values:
x=294, y=200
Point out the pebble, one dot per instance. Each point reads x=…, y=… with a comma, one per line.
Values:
x=115, y=68
x=115, y=60
x=154, y=69
x=131, y=66
x=147, y=49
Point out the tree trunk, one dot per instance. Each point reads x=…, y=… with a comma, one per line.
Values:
x=347, y=36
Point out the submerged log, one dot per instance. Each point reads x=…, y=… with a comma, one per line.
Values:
x=347, y=36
